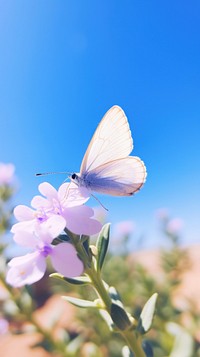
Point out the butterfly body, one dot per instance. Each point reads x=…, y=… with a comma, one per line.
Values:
x=95, y=183
x=107, y=167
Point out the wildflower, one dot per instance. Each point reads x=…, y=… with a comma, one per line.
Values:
x=6, y=173
x=31, y=267
x=63, y=208
x=38, y=226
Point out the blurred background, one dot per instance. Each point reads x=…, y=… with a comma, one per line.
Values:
x=64, y=64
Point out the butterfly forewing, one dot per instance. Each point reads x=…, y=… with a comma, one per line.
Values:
x=111, y=141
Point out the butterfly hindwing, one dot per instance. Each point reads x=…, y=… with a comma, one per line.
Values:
x=122, y=177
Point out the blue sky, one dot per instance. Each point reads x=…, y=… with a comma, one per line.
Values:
x=63, y=64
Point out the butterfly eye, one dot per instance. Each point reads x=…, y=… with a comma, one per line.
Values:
x=74, y=176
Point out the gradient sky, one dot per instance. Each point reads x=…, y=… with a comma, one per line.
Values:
x=63, y=64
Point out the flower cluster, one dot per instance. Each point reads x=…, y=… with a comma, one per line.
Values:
x=37, y=227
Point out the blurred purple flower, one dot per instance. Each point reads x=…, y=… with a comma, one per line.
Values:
x=63, y=208
x=6, y=173
x=175, y=225
x=31, y=267
x=124, y=228
x=4, y=326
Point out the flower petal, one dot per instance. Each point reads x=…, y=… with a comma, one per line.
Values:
x=47, y=190
x=40, y=202
x=26, y=269
x=54, y=225
x=25, y=239
x=79, y=220
x=27, y=226
x=71, y=195
x=23, y=213
x=65, y=260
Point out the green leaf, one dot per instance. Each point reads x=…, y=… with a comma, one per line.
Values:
x=84, y=238
x=118, y=313
x=61, y=238
x=119, y=317
x=183, y=343
x=126, y=352
x=79, y=302
x=85, y=243
x=115, y=295
x=146, y=345
x=74, y=345
x=57, y=276
x=81, y=280
x=146, y=317
x=107, y=319
x=102, y=245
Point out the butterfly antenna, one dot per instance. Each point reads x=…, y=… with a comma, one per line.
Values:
x=99, y=202
x=52, y=173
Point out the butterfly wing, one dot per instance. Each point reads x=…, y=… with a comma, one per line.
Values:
x=122, y=177
x=111, y=141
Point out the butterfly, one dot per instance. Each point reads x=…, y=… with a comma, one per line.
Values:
x=106, y=166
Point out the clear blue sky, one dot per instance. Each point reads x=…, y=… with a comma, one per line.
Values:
x=63, y=64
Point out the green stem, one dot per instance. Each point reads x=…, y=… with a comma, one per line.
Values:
x=133, y=341
x=130, y=336
x=91, y=272
x=99, y=286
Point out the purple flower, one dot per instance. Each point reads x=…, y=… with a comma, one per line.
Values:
x=38, y=226
x=31, y=267
x=63, y=208
x=6, y=173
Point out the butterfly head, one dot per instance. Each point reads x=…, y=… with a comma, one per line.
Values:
x=75, y=178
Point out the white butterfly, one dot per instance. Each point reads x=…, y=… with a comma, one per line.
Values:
x=107, y=167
